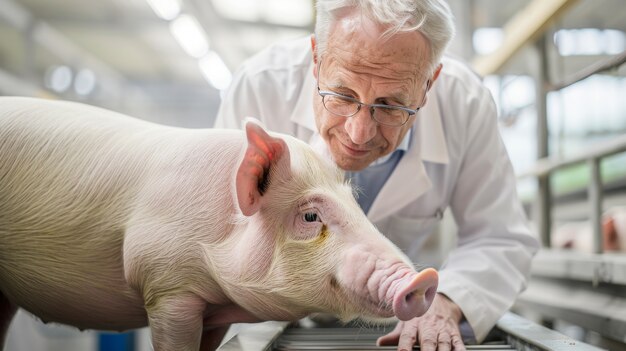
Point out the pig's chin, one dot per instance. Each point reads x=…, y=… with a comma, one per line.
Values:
x=361, y=306
x=376, y=312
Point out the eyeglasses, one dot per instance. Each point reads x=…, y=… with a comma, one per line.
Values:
x=345, y=106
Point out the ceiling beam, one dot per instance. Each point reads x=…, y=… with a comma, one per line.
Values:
x=520, y=30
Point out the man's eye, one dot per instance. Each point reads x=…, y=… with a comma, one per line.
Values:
x=311, y=217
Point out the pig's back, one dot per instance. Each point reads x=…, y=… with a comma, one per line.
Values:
x=69, y=176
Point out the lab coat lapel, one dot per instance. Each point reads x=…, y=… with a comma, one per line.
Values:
x=409, y=180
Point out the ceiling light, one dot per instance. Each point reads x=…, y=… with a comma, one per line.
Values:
x=59, y=78
x=85, y=82
x=487, y=39
x=166, y=9
x=190, y=35
x=215, y=70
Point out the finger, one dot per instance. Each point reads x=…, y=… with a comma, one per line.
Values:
x=408, y=336
x=391, y=338
x=457, y=343
x=428, y=340
x=444, y=342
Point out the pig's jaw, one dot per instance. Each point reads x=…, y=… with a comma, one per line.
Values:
x=221, y=315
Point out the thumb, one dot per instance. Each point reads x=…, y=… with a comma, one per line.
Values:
x=392, y=338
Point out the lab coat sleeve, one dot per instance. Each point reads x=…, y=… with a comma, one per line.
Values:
x=239, y=101
x=491, y=264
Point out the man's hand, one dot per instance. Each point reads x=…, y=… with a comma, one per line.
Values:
x=437, y=329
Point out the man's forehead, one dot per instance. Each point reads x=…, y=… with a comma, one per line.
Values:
x=343, y=64
x=359, y=41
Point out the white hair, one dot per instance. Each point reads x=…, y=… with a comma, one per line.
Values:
x=432, y=18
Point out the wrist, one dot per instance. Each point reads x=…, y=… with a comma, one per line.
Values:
x=455, y=311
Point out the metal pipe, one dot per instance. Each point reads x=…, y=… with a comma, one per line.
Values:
x=596, y=67
x=549, y=165
x=595, y=203
x=544, y=210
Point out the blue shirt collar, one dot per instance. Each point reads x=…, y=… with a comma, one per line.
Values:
x=404, y=145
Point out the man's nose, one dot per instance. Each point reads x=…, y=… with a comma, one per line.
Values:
x=361, y=127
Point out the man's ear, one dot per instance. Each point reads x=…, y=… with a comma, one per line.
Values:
x=314, y=51
x=436, y=74
x=430, y=82
x=253, y=175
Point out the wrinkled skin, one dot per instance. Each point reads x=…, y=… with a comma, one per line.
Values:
x=108, y=222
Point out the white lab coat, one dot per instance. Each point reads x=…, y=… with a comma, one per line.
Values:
x=455, y=159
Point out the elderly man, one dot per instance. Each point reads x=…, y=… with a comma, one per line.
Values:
x=416, y=133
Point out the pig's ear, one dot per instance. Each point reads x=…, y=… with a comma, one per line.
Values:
x=261, y=156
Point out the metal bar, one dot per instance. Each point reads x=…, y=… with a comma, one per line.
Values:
x=599, y=310
x=543, y=208
x=345, y=339
x=523, y=28
x=595, y=203
x=607, y=268
x=315, y=347
x=532, y=336
x=549, y=165
x=518, y=334
x=596, y=67
x=258, y=337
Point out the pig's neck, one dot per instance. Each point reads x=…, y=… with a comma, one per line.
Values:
x=241, y=266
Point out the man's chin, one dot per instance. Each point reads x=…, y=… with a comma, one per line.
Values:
x=352, y=162
x=351, y=165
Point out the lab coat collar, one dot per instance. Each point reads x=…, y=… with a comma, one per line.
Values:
x=428, y=144
x=430, y=134
x=303, y=114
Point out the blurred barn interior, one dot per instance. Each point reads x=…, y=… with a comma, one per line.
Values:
x=555, y=68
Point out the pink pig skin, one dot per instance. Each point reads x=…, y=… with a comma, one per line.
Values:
x=109, y=222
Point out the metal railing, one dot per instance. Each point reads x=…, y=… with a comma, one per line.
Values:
x=511, y=333
x=545, y=167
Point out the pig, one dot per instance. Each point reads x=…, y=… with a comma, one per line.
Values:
x=578, y=235
x=109, y=222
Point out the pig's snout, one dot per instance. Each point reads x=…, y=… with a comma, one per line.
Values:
x=415, y=294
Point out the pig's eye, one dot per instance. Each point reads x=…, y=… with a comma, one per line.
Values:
x=311, y=217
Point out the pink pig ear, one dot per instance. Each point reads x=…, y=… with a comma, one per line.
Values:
x=252, y=179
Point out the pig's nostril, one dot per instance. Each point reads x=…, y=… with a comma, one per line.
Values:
x=430, y=294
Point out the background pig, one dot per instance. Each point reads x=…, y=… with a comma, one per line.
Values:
x=109, y=222
x=579, y=235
